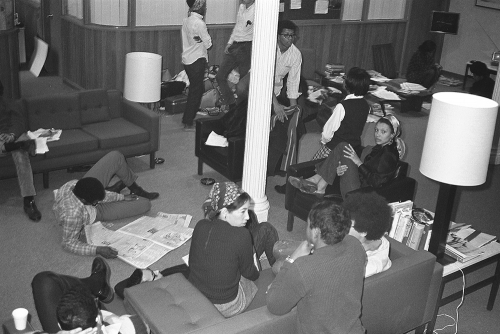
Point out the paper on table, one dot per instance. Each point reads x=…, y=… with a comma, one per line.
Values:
x=412, y=86
x=215, y=139
x=382, y=93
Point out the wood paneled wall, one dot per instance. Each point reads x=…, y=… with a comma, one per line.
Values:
x=29, y=15
x=94, y=56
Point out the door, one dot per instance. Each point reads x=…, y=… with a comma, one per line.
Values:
x=51, y=12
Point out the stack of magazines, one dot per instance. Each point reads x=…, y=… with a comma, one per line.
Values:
x=465, y=243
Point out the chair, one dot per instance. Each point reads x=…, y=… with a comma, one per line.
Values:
x=227, y=161
x=401, y=188
x=384, y=61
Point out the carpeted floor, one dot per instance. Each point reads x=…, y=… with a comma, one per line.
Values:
x=28, y=248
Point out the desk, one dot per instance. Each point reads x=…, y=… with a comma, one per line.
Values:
x=492, y=69
x=452, y=272
x=408, y=102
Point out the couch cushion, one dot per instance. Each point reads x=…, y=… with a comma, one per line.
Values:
x=53, y=111
x=117, y=132
x=72, y=141
x=171, y=305
x=94, y=106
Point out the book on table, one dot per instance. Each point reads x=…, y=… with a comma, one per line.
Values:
x=145, y=240
x=464, y=243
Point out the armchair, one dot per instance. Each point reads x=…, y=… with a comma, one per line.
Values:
x=401, y=188
x=227, y=161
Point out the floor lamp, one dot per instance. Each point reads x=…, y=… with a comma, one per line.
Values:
x=456, y=152
x=143, y=81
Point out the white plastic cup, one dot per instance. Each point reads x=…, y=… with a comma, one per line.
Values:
x=20, y=316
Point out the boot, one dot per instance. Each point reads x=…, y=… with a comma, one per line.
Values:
x=102, y=272
x=135, y=189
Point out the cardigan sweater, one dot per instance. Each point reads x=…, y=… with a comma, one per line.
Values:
x=326, y=286
x=219, y=255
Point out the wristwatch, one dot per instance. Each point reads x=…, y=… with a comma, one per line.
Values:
x=289, y=259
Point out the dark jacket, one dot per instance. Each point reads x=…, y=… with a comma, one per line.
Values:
x=379, y=166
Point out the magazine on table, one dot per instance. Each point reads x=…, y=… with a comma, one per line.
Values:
x=459, y=242
x=145, y=240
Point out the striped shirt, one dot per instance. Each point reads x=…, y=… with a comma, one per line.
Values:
x=73, y=215
x=194, y=26
x=288, y=62
x=243, y=29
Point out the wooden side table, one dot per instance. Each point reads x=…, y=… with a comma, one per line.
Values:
x=9, y=328
x=452, y=272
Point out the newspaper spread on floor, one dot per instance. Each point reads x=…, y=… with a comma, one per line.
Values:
x=145, y=240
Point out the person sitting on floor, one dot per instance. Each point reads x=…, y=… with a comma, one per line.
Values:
x=13, y=140
x=221, y=263
x=69, y=303
x=348, y=118
x=483, y=85
x=371, y=218
x=85, y=201
x=422, y=69
x=324, y=275
x=377, y=164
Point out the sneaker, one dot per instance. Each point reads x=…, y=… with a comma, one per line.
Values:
x=280, y=189
x=189, y=128
x=32, y=211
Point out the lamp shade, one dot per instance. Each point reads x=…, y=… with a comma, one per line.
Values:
x=458, y=140
x=142, y=77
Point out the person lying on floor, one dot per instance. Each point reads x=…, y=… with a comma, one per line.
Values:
x=376, y=166
x=85, y=201
x=67, y=303
x=221, y=259
x=370, y=219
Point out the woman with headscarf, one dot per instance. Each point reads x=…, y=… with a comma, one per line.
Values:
x=376, y=166
x=221, y=256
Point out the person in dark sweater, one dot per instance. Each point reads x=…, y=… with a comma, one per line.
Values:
x=422, y=68
x=483, y=85
x=348, y=117
x=375, y=167
x=324, y=276
x=221, y=256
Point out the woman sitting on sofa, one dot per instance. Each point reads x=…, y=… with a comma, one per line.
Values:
x=221, y=259
x=375, y=167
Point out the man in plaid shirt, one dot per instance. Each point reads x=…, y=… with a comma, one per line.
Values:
x=83, y=202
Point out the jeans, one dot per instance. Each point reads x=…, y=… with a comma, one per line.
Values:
x=48, y=287
x=196, y=74
x=23, y=168
x=111, y=164
x=240, y=55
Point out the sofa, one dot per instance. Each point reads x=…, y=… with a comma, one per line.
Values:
x=93, y=123
x=396, y=301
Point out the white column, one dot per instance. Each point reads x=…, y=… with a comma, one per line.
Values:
x=495, y=148
x=259, y=104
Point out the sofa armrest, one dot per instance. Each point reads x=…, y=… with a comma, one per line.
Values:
x=144, y=118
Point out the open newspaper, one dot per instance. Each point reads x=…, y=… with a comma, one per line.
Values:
x=145, y=240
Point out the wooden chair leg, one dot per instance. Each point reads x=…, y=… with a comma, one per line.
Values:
x=152, y=160
x=200, y=167
x=289, y=223
x=45, y=178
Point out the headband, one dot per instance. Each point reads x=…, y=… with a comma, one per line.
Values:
x=221, y=195
x=396, y=127
x=197, y=5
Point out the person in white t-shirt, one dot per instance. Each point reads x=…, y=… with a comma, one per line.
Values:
x=371, y=218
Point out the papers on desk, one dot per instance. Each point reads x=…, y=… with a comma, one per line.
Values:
x=410, y=86
x=216, y=140
x=377, y=76
x=384, y=94
x=42, y=136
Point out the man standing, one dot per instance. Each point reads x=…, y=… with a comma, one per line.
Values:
x=238, y=51
x=195, y=43
x=85, y=201
x=324, y=276
x=13, y=140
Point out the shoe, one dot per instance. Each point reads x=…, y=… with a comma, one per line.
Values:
x=189, y=128
x=101, y=267
x=134, y=279
x=32, y=211
x=281, y=173
x=305, y=186
x=117, y=187
x=280, y=189
x=143, y=193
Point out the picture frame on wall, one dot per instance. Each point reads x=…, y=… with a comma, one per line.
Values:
x=493, y=4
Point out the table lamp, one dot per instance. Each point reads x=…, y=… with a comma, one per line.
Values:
x=456, y=152
x=143, y=78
